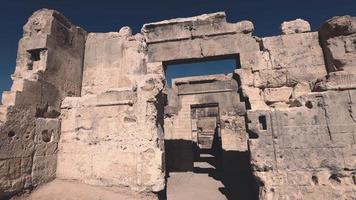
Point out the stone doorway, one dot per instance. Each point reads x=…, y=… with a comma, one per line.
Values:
x=206, y=148
x=206, y=136
x=201, y=166
x=203, y=153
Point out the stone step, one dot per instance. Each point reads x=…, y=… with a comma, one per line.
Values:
x=17, y=85
x=3, y=113
x=22, y=85
x=8, y=98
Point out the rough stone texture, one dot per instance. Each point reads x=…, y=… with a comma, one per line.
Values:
x=92, y=108
x=106, y=53
x=306, y=149
x=295, y=26
x=304, y=141
x=48, y=68
x=338, y=36
x=205, y=36
x=111, y=135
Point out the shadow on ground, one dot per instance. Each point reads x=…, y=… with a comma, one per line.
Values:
x=231, y=168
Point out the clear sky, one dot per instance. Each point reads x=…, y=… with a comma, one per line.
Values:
x=110, y=15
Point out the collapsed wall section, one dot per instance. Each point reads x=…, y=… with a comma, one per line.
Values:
x=48, y=68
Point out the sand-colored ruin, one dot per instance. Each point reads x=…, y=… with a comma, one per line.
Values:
x=93, y=110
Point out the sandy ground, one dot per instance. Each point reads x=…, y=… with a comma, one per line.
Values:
x=191, y=186
x=194, y=186
x=66, y=190
x=205, y=183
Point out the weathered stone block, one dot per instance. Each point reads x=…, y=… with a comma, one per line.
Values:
x=272, y=95
x=295, y=26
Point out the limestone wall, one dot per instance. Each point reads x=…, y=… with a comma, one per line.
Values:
x=306, y=151
x=112, y=135
x=112, y=60
x=48, y=68
x=304, y=134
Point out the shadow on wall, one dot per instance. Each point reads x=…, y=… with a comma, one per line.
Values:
x=231, y=168
x=179, y=155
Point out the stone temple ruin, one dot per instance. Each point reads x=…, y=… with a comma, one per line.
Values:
x=93, y=110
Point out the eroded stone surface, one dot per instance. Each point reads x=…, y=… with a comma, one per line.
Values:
x=338, y=36
x=48, y=68
x=295, y=26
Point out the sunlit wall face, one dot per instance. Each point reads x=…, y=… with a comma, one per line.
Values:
x=223, y=66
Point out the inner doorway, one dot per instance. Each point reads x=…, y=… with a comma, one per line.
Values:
x=206, y=137
x=201, y=181
x=205, y=142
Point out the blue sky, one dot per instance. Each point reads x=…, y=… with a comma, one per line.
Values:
x=110, y=15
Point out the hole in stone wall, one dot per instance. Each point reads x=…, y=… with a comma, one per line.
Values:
x=252, y=135
x=334, y=178
x=30, y=66
x=262, y=122
x=46, y=136
x=315, y=180
x=28, y=134
x=35, y=54
x=309, y=104
x=11, y=134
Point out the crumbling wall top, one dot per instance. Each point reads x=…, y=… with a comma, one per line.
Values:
x=295, y=26
x=218, y=16
x=193, y=27
x=41, y=22
x=338, y=25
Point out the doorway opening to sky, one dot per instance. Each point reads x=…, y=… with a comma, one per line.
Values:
x=191, y=68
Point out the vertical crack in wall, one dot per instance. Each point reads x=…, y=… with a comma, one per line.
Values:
x=82, y=66
x=352, y=114
x=201, y=50
x=323, y=105
x=273, y=137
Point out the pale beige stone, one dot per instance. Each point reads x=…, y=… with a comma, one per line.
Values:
x=272, y=95
x=295, y=26
x=125, y=31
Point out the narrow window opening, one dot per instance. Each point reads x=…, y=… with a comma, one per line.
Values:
x=35, y=54
x=263, y=123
